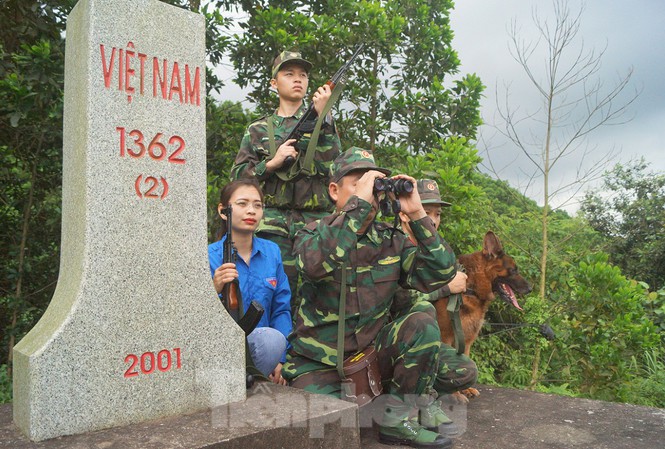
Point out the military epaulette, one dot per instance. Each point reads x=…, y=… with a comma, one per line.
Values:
x=262, y=118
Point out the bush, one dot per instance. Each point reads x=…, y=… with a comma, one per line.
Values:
x=650, y=389
x=5, y=386
x=608, y=331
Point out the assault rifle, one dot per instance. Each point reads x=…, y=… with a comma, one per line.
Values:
x=307, y=122
x=231, y=296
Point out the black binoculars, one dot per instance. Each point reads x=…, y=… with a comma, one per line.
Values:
x=397, y=186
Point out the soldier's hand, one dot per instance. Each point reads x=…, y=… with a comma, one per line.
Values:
x=320, y=98
x=365, y=185
x=458, y=284
x=223, y=275
x=410, y=202
x=286, y=149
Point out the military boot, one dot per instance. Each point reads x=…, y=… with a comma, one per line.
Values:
x=397, y=428
x=433, y=418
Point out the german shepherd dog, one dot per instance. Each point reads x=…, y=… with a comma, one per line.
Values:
x=490, y=272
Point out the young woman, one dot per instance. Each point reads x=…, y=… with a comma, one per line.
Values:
x=260, y=274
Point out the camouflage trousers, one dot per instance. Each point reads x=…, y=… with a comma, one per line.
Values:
x=456, y=371
x=412, y=361
x=280, y=226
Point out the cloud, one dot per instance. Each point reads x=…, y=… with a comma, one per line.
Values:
x=631, y=34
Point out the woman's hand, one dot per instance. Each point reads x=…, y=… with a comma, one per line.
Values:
x=276, y=376
x=223, y=275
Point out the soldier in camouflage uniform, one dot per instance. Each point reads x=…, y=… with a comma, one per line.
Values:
x=378, y=261
x=456, y=371
x=290, y=204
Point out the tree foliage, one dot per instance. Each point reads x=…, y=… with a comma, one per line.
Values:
x=608, y=329
x=225, y=123
x=400, y=92
x=31, y=84
x=630, y=215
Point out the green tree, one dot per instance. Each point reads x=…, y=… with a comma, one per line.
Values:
x=399, y=93
x=630, y=215
x=226, y=124
x=608, y=327
x=453, y=163
x=573, y=104
x=31, y=80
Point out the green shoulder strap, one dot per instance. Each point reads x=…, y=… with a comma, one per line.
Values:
x=340, y=324
x=271, y=135
x=304, y=165
x=347, y=386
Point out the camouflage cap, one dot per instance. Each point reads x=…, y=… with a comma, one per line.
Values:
x=289, y=56
x=353, y=159
x=429, y=192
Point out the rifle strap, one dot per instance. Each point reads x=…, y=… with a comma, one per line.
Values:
x=271, y=136
x=340, y=324
x=307, y=167
x=454, y=303
x=304, y=165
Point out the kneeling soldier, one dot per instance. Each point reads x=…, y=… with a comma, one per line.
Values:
x=377, y=261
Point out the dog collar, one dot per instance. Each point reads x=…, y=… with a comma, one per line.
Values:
x=470, y=292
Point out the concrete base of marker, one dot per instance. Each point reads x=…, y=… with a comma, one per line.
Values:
x=534, y=420
x=272, y=416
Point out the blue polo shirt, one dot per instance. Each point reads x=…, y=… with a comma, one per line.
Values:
x=263, y=281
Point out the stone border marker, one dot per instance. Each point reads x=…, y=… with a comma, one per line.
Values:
x=134, y=330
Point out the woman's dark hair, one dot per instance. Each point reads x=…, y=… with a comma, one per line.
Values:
x=227, y=192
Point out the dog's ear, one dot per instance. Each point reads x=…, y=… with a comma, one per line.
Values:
x=492, y=246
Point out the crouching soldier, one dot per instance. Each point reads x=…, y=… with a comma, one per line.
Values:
x=456, y=371
x=348, y=255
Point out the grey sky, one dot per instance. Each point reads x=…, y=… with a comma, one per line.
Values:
x=634, y=34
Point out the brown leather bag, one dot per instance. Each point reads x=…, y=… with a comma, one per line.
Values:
x=362, y=379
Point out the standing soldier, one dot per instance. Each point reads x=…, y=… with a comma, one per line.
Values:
x=291, y=202
x=375, y=261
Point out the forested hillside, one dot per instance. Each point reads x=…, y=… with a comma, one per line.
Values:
x=604, y=295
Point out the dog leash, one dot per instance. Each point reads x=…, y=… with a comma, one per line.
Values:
x=453, y=308
x=454, y=303
x=543, y=329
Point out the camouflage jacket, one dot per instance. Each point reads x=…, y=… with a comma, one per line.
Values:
x=305, y=193
x=405, y=298
x=376, y=266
